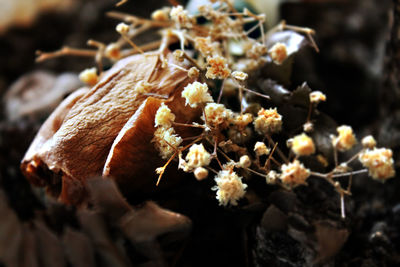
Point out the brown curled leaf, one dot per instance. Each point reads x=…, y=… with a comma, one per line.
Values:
x=132, y=149
x=108, y=252
x=75, y=142
x=150, y=221
x=38, y=93
x=141, y=224
x=78, y=248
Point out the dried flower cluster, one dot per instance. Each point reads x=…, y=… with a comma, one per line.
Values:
x=221, y=49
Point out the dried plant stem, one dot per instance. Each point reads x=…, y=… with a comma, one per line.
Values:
x=65, y=51
x=338, y=175
x=266, y=165
x=256, y=93
x=255, y=172
x=278, y=150
x=128, y=18
x=189, y=125
x=342, y=207
x=177, y=151
x=221, y=91
x=335, y=156
x=120, y=3
x=129, y=41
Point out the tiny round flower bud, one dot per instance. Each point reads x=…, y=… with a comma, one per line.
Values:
x=368, y=142
x=272, y=177
x=261, y=149
x=122, y=28
x=89, y=76
x=317, y=96
x=240, y=76
x=346, y=139
x=289, y=142
x=278, y=53
x=245, y=161
x=193, y=72
x=200, y=173
x=308, y=127
x=179, y=55
x=303, y=145
x=160, y=15
x=113, y=51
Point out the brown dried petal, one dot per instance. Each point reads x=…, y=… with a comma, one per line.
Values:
x=11, y=234
x=94, y=226
x=38, y=93
x=141, y=224
x=50, y=250
x=79, y=148
x=78, y=248
x=151, y=221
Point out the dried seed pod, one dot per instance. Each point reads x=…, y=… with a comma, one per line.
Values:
x=107, y=130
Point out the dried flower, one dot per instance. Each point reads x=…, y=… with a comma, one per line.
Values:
x=89, y=76
x=166, y=141
x=200, y=173
x=261, y=149
x=197, y=156
x=317, y=96
x=196, y=93
x=179, y=55
x=240, y=76
x=164, y=117
x=193, y=72
x=379, y=162
x=122, y=28
x=278, y=53
x=180, y=16
x=256, y=50
x=308, y=127
x=294, y=173
x=230, y=187
x=242, y=120
x=268, y=121
x=272, y=177
x=113, y=51
x=204, y=45
x=303, y=145
x=244, y=161
x=368, y=142
x=346, y=139
x=217, y=68
x=217, y=115
x=160, y=14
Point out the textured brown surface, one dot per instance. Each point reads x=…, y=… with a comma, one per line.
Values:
x=76, y=140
